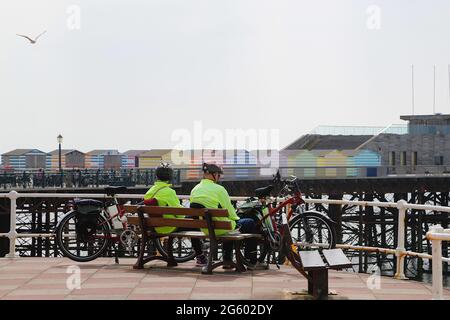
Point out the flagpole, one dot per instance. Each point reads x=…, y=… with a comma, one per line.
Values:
x=449, y=82
x=412, y=84
x=434, y=89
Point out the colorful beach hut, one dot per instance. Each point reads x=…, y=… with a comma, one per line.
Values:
x=303, y=163
x=70, y=159
x=368, y=159
x=130, y=158
x=333, y=159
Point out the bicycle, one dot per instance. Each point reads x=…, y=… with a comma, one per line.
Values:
x=181, y=246
x=307, y=229
x=91, y=227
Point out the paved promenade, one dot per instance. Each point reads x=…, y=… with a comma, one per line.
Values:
x=45, y=278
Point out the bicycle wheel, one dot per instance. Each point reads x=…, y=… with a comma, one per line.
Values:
x=82, y=248
x=317, y=233
x=182, y=248
x=263, y=253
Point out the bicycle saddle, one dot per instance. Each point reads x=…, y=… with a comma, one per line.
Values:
x=110, y=191
x=263, y=192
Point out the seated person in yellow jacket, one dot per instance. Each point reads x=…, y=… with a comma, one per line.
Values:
x=162, y=192
x=210, y=194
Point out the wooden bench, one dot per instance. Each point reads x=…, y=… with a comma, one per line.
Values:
x=317, y=266
x=149, y=217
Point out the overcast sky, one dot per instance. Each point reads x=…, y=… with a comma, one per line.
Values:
x=136, y=71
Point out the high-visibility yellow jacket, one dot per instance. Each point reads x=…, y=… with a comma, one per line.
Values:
x=165, y=196
x=212, y=195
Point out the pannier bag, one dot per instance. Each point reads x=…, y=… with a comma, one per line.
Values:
x=87, y=213
x=252, y=210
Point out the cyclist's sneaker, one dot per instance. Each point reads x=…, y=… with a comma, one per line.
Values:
x=258, y=266
x=227, y=265
x=201, y=261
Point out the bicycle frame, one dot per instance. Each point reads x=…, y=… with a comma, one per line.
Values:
x=286, y=239
x=108, y=219
x=295, y=200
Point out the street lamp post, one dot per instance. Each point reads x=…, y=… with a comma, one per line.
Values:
x=60, y=140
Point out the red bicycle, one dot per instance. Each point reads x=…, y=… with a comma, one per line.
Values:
x=304, y=229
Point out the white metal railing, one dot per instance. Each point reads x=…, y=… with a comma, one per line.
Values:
x=437, y=234
x=13, y=196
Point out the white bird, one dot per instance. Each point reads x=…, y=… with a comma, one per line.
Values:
x=31, y=40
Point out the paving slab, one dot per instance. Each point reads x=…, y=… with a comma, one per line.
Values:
x=103, y=279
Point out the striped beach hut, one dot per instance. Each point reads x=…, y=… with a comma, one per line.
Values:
x=239, y=163
x=194, y=171
x=130, y=158
x=334, y=158
x=21, y=159
x=153, y=158
x=103, y=159
x=213, y=156
x=302, y=163
x=267, y=160
x=351, y=171
x=368, y=159
x=70, y=159
x=287, y=163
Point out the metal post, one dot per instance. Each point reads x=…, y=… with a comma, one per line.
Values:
x=400, y=250
x=434, y=89
x=412, y=82
x=360, y=238
x=335, y=213
x=436, y=248
x=12, y=234
x=60, y=164
x=59, y=155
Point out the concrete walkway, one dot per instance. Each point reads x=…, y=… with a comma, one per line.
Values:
x=46, y=278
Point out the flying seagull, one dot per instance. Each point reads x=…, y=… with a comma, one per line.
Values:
x=31, y=40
